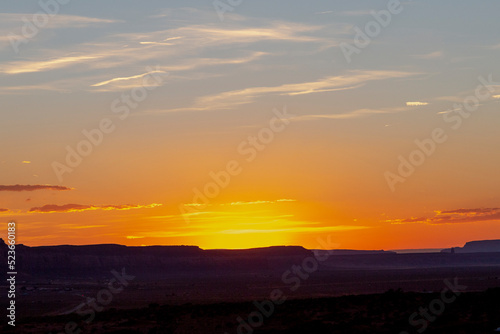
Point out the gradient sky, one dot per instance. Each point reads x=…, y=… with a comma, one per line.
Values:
x=212, y=84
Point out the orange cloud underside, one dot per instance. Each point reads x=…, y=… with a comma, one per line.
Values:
x=245, y=224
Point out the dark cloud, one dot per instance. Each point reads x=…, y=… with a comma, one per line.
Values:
x=454, y=217
x=3, y=210
x=471, y=211
x=28, y=187
x=413, y=220
x=50, y=208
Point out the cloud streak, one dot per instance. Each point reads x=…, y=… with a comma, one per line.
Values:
x=56, y=21
x=139, y=76
x=261, y=202
x=351, y=80
x=353, y=114
x=454, y=217
x=53, y=208
x=416, y=104
x=19, y=67
x=278, y=226
x=283, y=31
x=175, y=49
x=27, y=187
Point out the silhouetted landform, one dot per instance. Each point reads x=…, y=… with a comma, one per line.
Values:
x=55, y=280
x=149, y=261
x=421, y=250
x=355, y=252
x=391, y=312
x=483, y=246
x=156, y=262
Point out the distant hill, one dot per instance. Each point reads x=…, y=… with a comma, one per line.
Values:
x=480, y=246
x=56, y=279
x=355, y=252
x=93, y=261
x=158, y=262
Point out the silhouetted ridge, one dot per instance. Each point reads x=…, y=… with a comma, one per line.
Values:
x=263, y=251
x=95, y=262
x=480, y=246
x=358, y=252
x=115, y=249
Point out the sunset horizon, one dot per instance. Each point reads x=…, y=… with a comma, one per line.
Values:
x=259, y=133
x=238, y=129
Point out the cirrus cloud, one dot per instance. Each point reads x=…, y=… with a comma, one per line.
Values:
x=416, y=104
x=351, y=80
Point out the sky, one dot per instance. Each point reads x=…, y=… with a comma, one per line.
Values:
x=240, y=124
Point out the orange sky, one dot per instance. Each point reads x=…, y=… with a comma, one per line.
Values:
x=149, y=125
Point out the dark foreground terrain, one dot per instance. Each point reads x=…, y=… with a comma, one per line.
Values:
x=184, y=289
x=390, y=312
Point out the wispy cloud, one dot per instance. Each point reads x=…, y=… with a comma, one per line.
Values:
x=27, y=187
x=284, y=31
x=416, y=104
x=56, y=21
x=454, y=216
x=325, y=12
x=22, y=90
x=207, y=62
x=352, y=80
x=268, y=226
x=128, y=82
x=349, y=115
x=140, y=80
x=183, y=48
x=460, y=97
x=78, y=227
x=52, y=208
x=18, y=67
x=180, y=44
x=431, y=55
x=261, y=202
x=302, y=229
x=240, y=203
x=12, y=23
